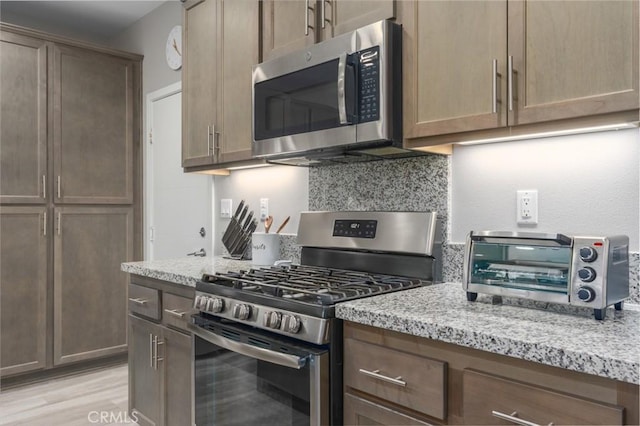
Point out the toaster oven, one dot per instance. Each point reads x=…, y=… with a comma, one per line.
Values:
x=590, y=271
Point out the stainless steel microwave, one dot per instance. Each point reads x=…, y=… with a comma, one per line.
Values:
x=340, y=97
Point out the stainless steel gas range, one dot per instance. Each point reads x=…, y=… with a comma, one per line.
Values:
x=268, y=348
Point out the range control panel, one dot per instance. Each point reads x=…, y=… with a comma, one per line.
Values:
x=355, y=228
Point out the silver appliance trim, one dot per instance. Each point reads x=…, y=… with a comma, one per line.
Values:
x=541, y=238
x=312, y=329
x=399, y=232
x=346, y=136
x=251, y=351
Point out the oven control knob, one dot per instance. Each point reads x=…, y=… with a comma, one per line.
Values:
x=197, y=302
x=586, y=294
x=588, y=254
x=291, y=323
x=215, y=305
x=241, y=311
x=272, y=319
x=587, y=274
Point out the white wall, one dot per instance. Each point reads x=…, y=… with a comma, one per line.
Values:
x=286, y=187
x=586, y=184
x=148, y=37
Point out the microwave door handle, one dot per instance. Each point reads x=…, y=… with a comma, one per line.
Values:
x=342, y=98
x=251, y=351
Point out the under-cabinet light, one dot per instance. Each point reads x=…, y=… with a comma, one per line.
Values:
x=618, y=126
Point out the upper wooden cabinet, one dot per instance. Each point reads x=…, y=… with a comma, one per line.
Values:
x=92, y=127
x=471, y=66
x=220, y=45
x=289, y=25
x=23, y=107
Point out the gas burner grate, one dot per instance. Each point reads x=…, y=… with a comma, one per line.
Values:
x=311, y=284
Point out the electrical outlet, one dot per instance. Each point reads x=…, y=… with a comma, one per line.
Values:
x=527, y=207
x=264, y=209
x=226, y=205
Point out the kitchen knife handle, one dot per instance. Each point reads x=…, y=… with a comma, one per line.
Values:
x=494, y=87
x=306, y=17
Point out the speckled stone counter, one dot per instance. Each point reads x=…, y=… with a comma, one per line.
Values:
x=185, y=271
x=574, y=341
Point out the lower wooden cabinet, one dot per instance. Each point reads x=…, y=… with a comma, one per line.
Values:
x=362, y=412
x=413, y=377
x=89, y=290
x=488, y=399
x=160, y=358
x=23, y=289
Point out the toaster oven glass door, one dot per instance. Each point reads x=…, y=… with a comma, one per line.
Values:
x=524, y=267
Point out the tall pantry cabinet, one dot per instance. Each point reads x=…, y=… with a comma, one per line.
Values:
x=69, y=194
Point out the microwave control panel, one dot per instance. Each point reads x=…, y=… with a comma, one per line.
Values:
x=369, y=85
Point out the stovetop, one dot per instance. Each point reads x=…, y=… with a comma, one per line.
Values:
x=295, y=300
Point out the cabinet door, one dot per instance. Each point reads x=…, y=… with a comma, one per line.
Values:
x=573, y=58
x=145, y=380
x=342, y=16
x=90, y=291
x=485, y=395
x=361, y=412
x=288, y=25
x=92, y=127
x=449, y=49
x=178, y=378
x=23, y=285
x=199, y=79
x=240, y=52
x=23, y=107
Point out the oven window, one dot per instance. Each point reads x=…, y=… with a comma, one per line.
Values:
x=236, y=390
x=524, y=267
x=298, y=102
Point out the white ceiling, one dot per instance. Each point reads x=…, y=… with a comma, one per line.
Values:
x=97, y=21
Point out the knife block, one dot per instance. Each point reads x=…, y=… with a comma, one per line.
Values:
x=237, y=238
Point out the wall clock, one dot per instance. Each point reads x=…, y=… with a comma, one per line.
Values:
x=173, y=49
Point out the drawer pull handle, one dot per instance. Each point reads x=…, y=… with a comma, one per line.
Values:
x=175, y=313
x=512, y=418
x=376, y=375
x=138, y=301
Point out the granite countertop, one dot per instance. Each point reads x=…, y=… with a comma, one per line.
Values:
x=184, y=270
x=575, y=341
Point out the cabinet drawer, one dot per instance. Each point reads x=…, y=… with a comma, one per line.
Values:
x=359, y=411
x=176, y=310
x=485, y=396
x=144, y=301
x=411, y=381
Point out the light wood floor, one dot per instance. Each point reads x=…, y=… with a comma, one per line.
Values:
x=97, y=397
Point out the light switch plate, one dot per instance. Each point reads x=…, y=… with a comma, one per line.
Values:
x=226, y=205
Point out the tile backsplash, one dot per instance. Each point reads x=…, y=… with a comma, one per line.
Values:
x=411, y=184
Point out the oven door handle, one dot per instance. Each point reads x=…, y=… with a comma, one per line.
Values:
x=262, y=354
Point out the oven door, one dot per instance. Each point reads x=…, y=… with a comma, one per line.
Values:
x=245, y=377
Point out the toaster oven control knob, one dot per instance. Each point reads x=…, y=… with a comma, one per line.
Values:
x=241, y=311
x=587, y=274
x=588, y=254
x=586, y=294
x=291, y=323
x=272, y=319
